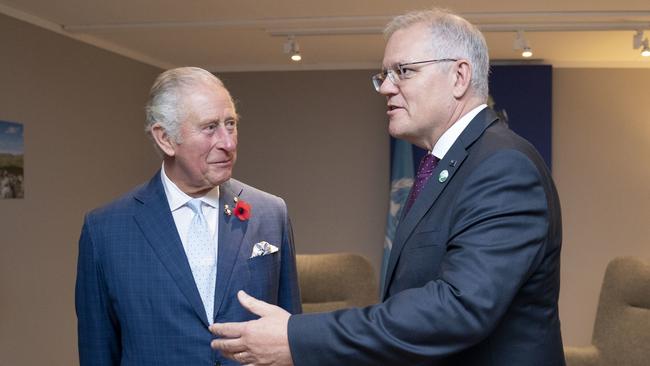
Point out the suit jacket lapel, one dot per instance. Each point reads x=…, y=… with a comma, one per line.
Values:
x=231, y=233
x=158, y=226
x=447, y=168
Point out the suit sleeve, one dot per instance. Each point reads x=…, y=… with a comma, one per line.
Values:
x=289, y=291
x=98, y=331
x=499, y=228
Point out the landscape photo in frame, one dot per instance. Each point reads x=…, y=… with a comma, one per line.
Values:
x=11, y=160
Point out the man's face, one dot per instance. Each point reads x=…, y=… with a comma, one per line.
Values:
x=418, y=107
x=207, y=151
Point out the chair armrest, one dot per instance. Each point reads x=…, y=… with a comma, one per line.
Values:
x=581, y=356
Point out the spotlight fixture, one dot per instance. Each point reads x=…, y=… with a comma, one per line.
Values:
x=645, y=52
x=292, y=47
x=521, y=43
x=638, y=41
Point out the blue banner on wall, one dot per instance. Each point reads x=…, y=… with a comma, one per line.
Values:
x=523, y=93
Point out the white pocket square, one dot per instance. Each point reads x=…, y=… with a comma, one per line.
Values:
x=263, y=248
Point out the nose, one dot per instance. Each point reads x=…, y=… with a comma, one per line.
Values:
x=387, y=87
x=226, y=139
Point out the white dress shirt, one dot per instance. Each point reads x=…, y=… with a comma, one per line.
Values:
x=183, y=214
x=451, y=135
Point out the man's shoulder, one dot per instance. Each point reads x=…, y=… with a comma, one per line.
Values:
x=499, y=137
x=124, y=204
x=247, y=190
x=501, y=149
x=254, y=195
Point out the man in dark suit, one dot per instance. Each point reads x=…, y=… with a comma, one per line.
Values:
x=159, y=265
x=473, y=276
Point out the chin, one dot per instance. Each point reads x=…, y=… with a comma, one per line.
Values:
x=403, y=135
x=398, y=127
x=398, y=133
x=216, y=180
x=393, y=131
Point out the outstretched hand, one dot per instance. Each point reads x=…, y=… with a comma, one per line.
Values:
x=257, y=342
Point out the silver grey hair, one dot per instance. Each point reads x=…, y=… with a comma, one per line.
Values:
x=165, y=105
x=452, y=37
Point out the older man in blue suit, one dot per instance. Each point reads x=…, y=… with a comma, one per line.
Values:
x=159, y=265
x=474, y=273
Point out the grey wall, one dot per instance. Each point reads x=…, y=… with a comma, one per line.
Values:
x=82, y=112
x=318, y=139
x=601, y=165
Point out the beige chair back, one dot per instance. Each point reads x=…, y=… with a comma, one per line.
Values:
x=622, y=328
x=334, y=281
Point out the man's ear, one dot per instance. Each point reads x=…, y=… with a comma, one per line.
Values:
x=463, y=78
x=163, y=139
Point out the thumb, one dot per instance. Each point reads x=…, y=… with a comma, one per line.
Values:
x=255, y=306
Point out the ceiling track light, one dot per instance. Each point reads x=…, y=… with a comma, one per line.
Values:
x=292, y=48
x=521, y=43
x=645, y=52
x=638, y=41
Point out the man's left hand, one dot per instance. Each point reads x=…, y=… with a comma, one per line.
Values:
x=257, y=342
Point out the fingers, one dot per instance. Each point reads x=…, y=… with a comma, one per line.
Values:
x=230, y=341
x=242, y=357
x=228, y=330
x=228, y=346
x=255, y=306
x=252, y=304
x=241, y=341
x=234, y=350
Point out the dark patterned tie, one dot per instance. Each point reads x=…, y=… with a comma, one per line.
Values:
x=427, y=165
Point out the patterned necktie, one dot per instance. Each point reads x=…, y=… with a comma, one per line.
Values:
x=427, y=165
x=201, y=255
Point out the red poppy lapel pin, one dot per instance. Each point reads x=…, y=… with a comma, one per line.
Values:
x=242, y=209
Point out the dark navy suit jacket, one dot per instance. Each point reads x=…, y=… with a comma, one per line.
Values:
x=136, y=300
x=474, y=273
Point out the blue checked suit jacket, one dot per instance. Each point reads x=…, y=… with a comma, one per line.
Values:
x=136, y=300
x=474, y=273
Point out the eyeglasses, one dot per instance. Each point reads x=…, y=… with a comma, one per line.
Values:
x=399, y=72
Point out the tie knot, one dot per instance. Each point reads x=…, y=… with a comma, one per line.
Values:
x=195, y=205
x=427, y=164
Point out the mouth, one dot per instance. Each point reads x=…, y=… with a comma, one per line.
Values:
x=221, y=162
x=392, y=109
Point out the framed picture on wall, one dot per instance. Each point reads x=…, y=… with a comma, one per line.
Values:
x=11, y=160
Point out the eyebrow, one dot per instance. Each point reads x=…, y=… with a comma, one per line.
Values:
x=394, y=65
x=218, y=120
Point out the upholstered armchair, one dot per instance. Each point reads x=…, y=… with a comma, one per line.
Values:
x=621, y=334
x=334, y=281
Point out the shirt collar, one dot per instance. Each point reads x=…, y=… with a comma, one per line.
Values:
x=177, y=198
x=451, y=135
